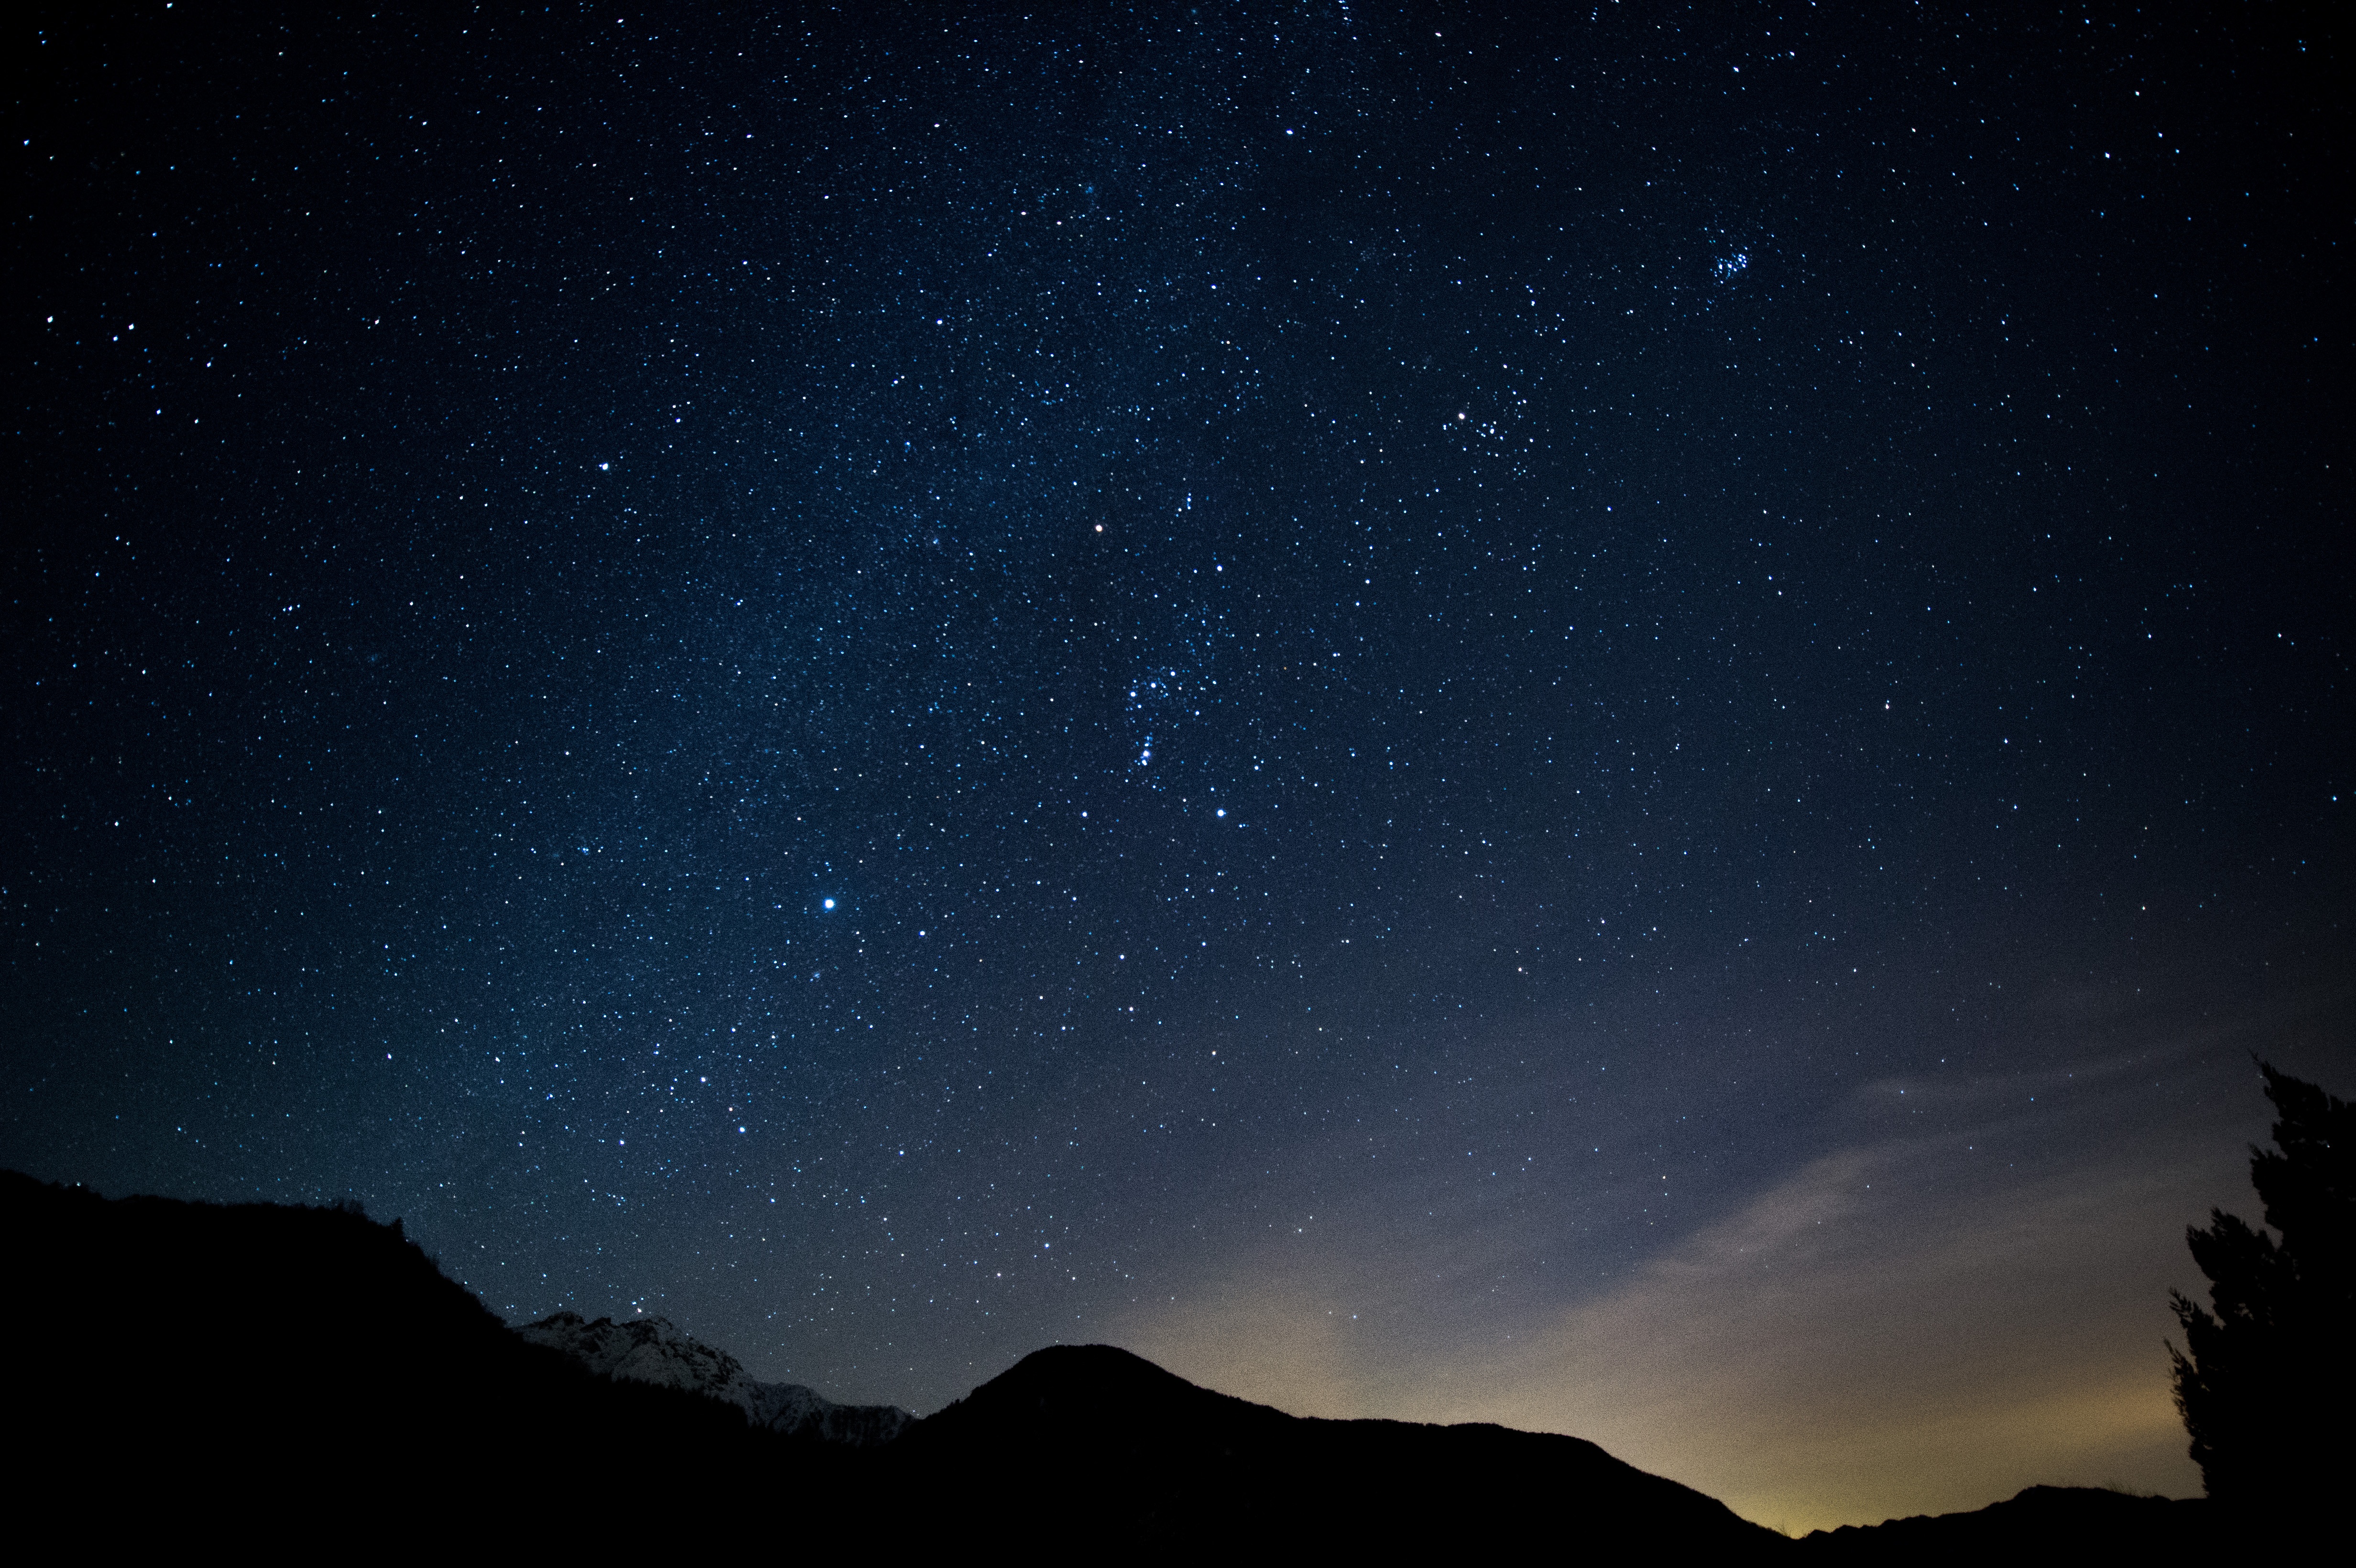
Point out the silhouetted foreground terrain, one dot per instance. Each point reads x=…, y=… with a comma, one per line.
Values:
x=2078, y=1524
x=1096, y=1437
x=258, y=1369
x=287, y=1373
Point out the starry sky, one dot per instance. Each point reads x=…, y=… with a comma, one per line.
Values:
x=1614, y=718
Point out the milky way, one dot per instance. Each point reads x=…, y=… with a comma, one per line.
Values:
x=1597, y=723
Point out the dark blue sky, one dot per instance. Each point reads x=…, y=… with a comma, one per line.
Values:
x=1381, y=701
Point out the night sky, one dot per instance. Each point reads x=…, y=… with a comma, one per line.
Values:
x=1615, y=719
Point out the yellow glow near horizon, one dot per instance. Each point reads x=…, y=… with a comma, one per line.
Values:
x=1816, y=1359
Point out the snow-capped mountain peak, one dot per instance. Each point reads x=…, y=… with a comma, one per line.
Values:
x=653, y=1350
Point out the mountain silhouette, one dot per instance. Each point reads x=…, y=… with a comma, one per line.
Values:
x=308, y=1377
x=1114, y=1447
x=2040, y=1523
x=286, y=1373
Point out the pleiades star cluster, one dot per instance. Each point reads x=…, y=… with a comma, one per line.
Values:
x=1617, y=718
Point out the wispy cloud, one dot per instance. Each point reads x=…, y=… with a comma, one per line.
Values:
x=1964, y=1295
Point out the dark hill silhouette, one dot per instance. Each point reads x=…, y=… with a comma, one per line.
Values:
x=289, y=1373
x=1114, y=1448
x=264, y=1366
x=274, y=1375
x=2073, y=1524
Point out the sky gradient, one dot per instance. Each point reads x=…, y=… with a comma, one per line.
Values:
x=1617, y=722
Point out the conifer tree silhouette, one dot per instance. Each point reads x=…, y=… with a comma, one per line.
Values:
x=2264, y=1381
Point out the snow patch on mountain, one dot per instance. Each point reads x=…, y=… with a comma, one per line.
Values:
x=652, y=1350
